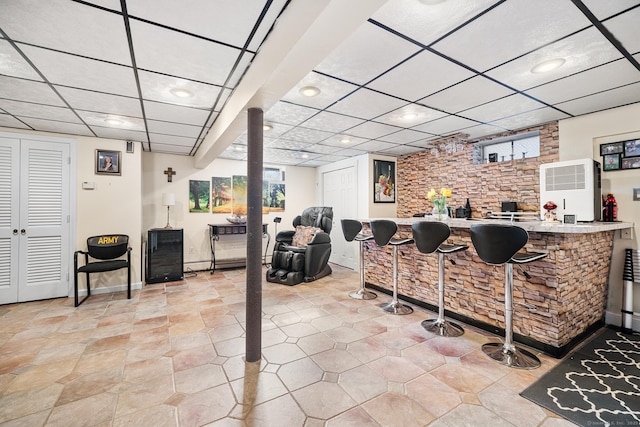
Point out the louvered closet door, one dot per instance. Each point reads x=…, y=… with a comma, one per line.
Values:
x=9, y=219
x=44, y=220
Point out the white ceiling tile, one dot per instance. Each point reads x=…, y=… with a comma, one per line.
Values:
x=171, y=149
x=366, y=104
x=426, y=23
x=331, y=158
x=170, y=128
x=100, y=119
x=331, y=90
x=367, y=53
x=504, y=107
x=313, y=163
x=421, y=75
x=332, y=122
x=289, y=114
x=13, y=64
x=175, y=113
x=581, y=51
x=68, y=27
x=468, y=94
x=277, y=129
x=55, y=126
x=617, y=73
x=47, y=112
x=374, y=146
x=603, y=100
x=530, y=118
x=625, y=29
x=510, y=30
x=371, y=130
x=69, y=70
x=445, y=125
x=325, y=149
x=169, y=52
x=344, y=141
x=307, y=135
x=234, y=152
x=81, y=99
x=109, y=4
x=480, y=131
x=11, y=122
x=401, y=150
x=410, y=115
x=604, y=9
x=122, y=134
x=29, y=91
x=158, y=138
x=157, y=87
x=350, y=152
x=404, y=136
x=289, y=144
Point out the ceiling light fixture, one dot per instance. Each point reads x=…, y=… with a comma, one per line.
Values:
x=431, y=2
x=547, y=66
x=304, y=156
x=267, y=126
x=181, y=93
x=409, y=116
x=345, y=140
x=112, y=121
x=309, y=91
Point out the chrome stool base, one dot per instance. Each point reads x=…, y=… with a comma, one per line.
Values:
x=442, y=328
x=396, y=307
x=363, y=294
x=516, y=358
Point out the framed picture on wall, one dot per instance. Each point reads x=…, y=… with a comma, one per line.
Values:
x=612, y=148
x=611, y=162
x=632, y=148
x=384, y=181
x=630, y=163
x=108, y=162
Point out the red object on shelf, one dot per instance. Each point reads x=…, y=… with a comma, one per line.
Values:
x=550, y=206
x=610, y=208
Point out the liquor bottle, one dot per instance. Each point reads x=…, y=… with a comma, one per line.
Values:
x=467, y=209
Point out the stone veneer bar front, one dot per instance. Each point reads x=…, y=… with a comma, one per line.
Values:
x=565, y=298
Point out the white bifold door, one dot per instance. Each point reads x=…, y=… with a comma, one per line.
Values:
x=34, y=219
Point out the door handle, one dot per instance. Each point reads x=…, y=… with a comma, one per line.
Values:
x=23, y=231
x=15, y=231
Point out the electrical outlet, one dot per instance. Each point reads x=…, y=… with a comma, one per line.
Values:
x=191, y=250
x=625, y=233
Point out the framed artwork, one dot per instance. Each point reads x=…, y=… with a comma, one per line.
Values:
x=108, y=162
x=632, y=148
x=611, y=162
x=239, y=194
x=384, y=179
x=274, y=198
x=220, y=194
x=199, y=196
x=630, y=163
x=612, y=148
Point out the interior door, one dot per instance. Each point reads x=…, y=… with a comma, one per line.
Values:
x=9, y=219
x=340, y=192
x=44, y=220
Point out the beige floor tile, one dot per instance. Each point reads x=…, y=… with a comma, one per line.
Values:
x=397, y=369
x=206, y=406
x=299, y=373
x=323, y=400
x=363, y=383
x=335, y=360
x=283, y=411
x=393, y=409
x=91, y=410
x=30, y=401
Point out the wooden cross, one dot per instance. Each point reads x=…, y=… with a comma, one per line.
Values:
x=169, y=172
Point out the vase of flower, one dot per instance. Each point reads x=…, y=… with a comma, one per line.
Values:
x=440, y=210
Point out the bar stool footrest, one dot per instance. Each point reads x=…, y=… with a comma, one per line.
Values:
x=514, y=358
x=442, y=328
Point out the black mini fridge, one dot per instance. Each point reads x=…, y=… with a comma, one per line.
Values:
x=165, y=256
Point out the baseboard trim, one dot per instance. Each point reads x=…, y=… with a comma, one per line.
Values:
x=107, y=289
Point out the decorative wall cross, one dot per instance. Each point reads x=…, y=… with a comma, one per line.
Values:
x=169, y=172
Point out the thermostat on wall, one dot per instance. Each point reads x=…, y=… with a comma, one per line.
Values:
x=86, y=185
x=569, y=219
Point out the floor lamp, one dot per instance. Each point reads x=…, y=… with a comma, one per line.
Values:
x=168, y=200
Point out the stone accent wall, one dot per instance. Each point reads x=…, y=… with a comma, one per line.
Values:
x=486, y=185
x=568, y=288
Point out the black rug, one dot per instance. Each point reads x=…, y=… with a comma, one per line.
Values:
x=597, y=385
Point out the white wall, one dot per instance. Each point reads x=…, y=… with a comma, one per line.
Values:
x=299, y=193
x=580, y=137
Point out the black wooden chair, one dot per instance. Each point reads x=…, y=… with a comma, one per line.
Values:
x=108, y=251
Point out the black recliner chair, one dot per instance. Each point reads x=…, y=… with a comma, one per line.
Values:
x=303, y=254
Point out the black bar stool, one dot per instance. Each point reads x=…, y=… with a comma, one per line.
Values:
x=383, y=231
x=429, y=237
x=351, y=229
x=499, y=244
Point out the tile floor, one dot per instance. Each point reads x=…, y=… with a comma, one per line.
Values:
x=173, y=356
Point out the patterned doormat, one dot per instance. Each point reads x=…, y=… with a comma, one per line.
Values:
x=597, y=385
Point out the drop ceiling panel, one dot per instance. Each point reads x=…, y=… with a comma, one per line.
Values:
x=602, y=100
x=101, y=102
x=171, y=140
x=332, y=90
x=177, y=54
x=307, y=135
x=47, y=112
x=13, y=64
x=421, y=75
x=331, y=122
x=581, y=51
x=366, y=104
x=289, y=144
x=175, y=113
x=288, y=114
x=344, y=141
x=401, y=150
x=54, y=126
x=625, y=29
x=371, y=130
x=68, y=27
x=426, y=23
x=374, y=146
x=11, y=122
x=480, y=131
x=505, y=107
x=331, y=158
x=445, y=125
x=171, y=149
x=609, y=76
x=470, y=93
x=350, y=152
x=100, y=119
x=75, y=71
x=410, y=115
x=604, y=9
x=405, y=136
x=369, y=52
x=29, y=91
x=177, y=129
x=517, y=27
x=122, y=134
x=325, y=149
x=157, y=87
x=108, y=4
x=519, y=121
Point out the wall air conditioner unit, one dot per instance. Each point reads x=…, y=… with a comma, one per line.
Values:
x=574, y=186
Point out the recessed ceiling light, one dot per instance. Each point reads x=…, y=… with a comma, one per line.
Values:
x=345, y=140
x=431, y=2
x=267, y=126
x=113, y=121
x=304, y=156
x=409, y=116
x=309, y=91
x=546, y=66
x=181, y=93
x=238, y=148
